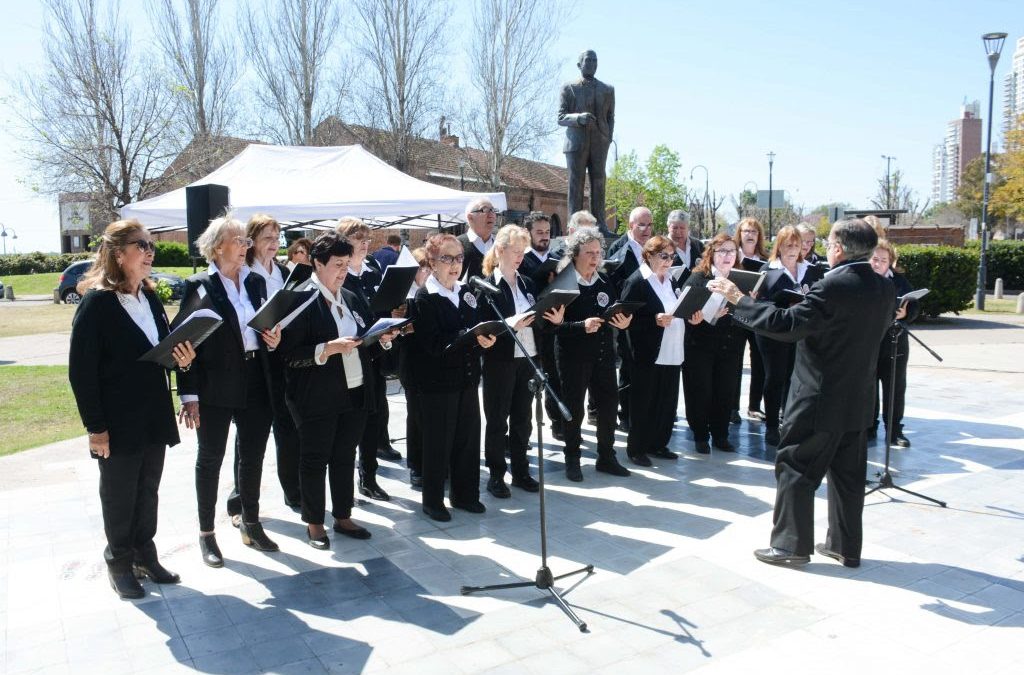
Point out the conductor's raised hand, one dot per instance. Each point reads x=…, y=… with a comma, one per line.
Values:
x=486, y=341
x=621, y=320
x=555, y=315
x=727, y=288
x=592, y=324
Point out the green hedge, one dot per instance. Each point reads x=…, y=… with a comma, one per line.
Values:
x=1005, y=261
x=949, y=273
x=38, y=263
x=171, y=254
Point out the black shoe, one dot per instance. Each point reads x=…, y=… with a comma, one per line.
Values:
x=388, y=452
x=612, y=466
x=873, y=431
x=439, y=513
x=319, y=543
x=755, y=415
x=639, y=460
x=778, y=556
x=572, y=469
x=356, y=533
x=415, y=479
x=900, y=441
x=771, y=436
x=156, y=572
x=369, y=488
x=526, y=482
x=702, y=447
x=558, y=433
x=496, y=486
x=471, y=507
x=254, y=537
x=847, y=562
x=123, y=581
x=623, y=426
x=210, y=551
x=664, y=453
x=734, y=418
x=724, y=445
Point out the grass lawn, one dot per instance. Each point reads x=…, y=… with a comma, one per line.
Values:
x=38, y=407
x=33, y=319
x=1008, y=305
x=43, y=284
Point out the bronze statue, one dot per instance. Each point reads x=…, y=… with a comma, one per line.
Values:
x=587, y=111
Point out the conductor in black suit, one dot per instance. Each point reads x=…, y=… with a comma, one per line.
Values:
x=839, y=326
x=229, y=381
x=479, y=236
x=586, y=109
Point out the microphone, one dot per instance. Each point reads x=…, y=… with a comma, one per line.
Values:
x=478, y=284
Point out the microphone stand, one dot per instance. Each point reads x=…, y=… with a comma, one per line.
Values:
x=885, y=481
x=544, y=579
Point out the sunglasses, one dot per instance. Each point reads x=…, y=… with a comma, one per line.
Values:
x=144, y=245
x=663, y=256
x=451, y=259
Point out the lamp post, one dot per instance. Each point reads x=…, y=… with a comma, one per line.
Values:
x=462, y=174
x=888, y=184
x=993, y=46
x=771, y=162
x=3, y=235
x=704, y=205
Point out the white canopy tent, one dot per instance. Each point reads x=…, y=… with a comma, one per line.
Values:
x=306, y=184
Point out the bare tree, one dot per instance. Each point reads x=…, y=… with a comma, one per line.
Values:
x=291, y=47
x=509, y=108
x=401, y=43
x=94, y=120
x=203, y=69
x=891, y=187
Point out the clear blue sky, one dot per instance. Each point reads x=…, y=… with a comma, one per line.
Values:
x=829, y=86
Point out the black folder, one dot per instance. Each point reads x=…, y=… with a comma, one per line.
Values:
x=609, y=266
x=298, y=276
x=195, y=328
x=564, y=280
x=692, y=300
x=789, y=296
x=556, y=297
x=380, y=327
x=622, y=308
x=752, y=265
x=393, y=289
x=540, y=274
x=280, y=306
x=495, y=327
x=747, y=282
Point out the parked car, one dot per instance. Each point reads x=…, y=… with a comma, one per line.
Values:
x=67, y=289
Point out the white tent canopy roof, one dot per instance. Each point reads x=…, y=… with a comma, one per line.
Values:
x=302, y=184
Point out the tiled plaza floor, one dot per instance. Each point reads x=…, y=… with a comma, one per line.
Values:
x=676, y=587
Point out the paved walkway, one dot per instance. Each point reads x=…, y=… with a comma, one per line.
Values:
x=676, y=588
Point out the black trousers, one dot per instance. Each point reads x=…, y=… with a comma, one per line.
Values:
x=376, y=424
x=550, y=366
x=625, y=376
x=413, y=430
x=507, y=400
x=599, y=378
x=451, y=445
x=655, y=392
x=778, y=359
x=327, y=445
x=804, y=458
x=252, y=428
x=756, y=377
x=709, y=387
x=128, y=496
x=286, y=436
x=899, y=384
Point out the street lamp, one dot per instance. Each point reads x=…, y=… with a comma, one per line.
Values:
x=705, y=206
x=462, y=174
x=3, y=235
x=993, y=46
x=888, y=185
x=771, y=162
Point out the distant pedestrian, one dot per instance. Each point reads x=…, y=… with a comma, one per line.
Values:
x=388, y=253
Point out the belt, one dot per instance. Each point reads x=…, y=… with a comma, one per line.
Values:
x=250, y=355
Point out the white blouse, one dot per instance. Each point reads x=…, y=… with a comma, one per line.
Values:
x=671, y=351
x=139, y=310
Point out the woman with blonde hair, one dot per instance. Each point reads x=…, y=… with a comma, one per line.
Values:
x=506, y=370
x=751, y=256
x=125, y=403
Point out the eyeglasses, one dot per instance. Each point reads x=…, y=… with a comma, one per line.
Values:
x=831, y=244
x=592, y=254
x=663, y=256
x=643, y=226
x=243, y=241
x=144, y=245
x=725, y=251
x=486, y=209
x=451, y=259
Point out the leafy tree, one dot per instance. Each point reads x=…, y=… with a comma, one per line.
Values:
x=655, y=185
x=1007, y=198
x=626, y=187
x=969, y=194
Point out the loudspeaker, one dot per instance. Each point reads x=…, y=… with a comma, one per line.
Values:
x=203, y=203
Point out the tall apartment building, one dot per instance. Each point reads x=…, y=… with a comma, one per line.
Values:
x=951, y=157
x=1013, y=91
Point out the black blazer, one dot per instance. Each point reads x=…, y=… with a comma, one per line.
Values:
x=776, y=281
x=644, y=333
x=218, y=375
x=528, y=268
x=572, y=342
x=838, y=328
x=630, y=264
x=473, y=264
x=901, y=287
x=116, y=392
x=432, y=366
x=314, y=391
x=367, y=282
x=726, y=335
x=504, y=347
x=696, y=251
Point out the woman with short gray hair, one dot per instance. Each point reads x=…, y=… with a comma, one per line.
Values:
x=230, y=382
